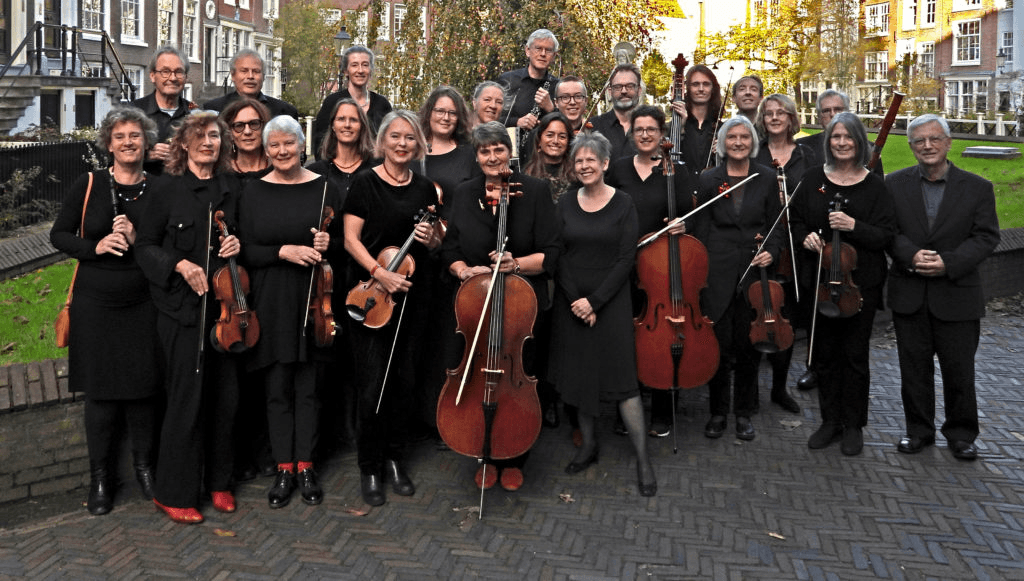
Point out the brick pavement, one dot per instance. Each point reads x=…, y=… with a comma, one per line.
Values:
x=726, y=509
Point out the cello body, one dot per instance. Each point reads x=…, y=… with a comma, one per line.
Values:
x=497, y=383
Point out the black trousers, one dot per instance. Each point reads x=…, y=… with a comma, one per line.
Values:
x=292, y=411
x=737, y=363
x=196, y=438
x=102, y=422
x=919, y=337
x=841, y=358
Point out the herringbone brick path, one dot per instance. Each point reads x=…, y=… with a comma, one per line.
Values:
x=767, y=509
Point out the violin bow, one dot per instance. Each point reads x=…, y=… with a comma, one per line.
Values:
x=387, y=370
x=312, y=273
x=770, y=230
x=672, y=223
x=480, y=323
x=789, y=228
x=721, y=111
x=814, y=314
x=202, y=298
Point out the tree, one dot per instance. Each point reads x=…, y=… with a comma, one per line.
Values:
x=309, y=61
x=657, y=75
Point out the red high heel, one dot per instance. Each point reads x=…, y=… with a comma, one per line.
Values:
x=186, y=516
x=223, y=500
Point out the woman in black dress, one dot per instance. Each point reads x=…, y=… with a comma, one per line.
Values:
x=866, y=220
x=347, y=148
x=279, y=220
x=642, y=177
x=450, y=159
x=381, y=211
x=113, y=355
x=594, y=355
x=357, y=62
x=728, y=229
x=177, y=254
x=470, y=249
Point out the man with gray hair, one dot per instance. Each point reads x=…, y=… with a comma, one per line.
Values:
x=532, y=85
x=166, y=105
x=830, y=103
x=247, y=72
x=946, y=226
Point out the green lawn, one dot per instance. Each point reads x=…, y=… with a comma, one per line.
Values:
x=30, y=304
x=1007, y=176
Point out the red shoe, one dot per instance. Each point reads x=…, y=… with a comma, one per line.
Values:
x=188, y=516
x=492, y=476
x=223, y=500
x=511, y=479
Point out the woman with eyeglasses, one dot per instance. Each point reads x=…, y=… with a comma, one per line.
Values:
x=245, y=119
x=449, y=160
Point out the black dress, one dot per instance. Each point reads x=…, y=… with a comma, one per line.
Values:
x=449, y=170
x=598, y=248
x=113, y=352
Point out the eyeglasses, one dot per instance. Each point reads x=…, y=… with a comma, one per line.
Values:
x=543, y=49
x=930, y=140
x=168, y=73
x=646, y=130
x=771, y=114
x=578, y=98
x=626, y=87
x=444, y=113
x=253, y=125
x=833, y=110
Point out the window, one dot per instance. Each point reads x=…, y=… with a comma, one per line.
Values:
x=877, y=19
x=967, y=42
x=966, y=5
x=909, y=14
x=926, y=59
x=131, y=20
x=165, y=22
x=92, y=14
x=876, y=66
x=190, y=29
x=399, y=17
x=384, y=29
x=981, y=96
x=967, y=98
x=270, y=8
x=1007, y=47
x=929, y=13
x=135, y=76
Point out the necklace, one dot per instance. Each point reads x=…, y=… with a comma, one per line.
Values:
x=350, y=167
x=263, y=163
x=117, y=191
x=400, y=182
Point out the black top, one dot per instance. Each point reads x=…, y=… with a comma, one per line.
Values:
x=473, y=228
x=697, y=154
x=651, y=195
x=339, y=179
x=800, y=160
x=816, y=143
x=520, y=89
x=607, y=124
x=275, y=106
x=449, y=170
x=379, y=107
x=165, y=124
x=177, y=226
x=868, y=202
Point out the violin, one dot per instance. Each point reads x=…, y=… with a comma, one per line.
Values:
x=368, y=302
x=320, y=311
x=770, y=332
x=237, y=329
x=838, y=295
x=494, y=412
x=675, y=342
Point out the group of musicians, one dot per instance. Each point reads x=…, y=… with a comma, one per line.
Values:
x=523, y=214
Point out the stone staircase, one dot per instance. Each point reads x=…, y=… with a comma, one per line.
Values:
x=16, y=93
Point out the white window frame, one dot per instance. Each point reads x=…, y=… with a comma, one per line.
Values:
x=399, y=21
x=270, y=8
x=193, y=54
x=1007, y=46
x=876, y=66
x=961, y=5
x=959, y=37
x=876, y=19
x=384, y=30
x=910, y=14
x=137, y=39
x=172, y=38
x=137, y=75
x=229, y=2
x=927, y=67
x=243, y=4
x=928, y=14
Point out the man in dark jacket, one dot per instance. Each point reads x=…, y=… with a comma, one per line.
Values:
x=166, y=105
x=247, y=70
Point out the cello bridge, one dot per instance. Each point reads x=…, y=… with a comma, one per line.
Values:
x=485, y=370
x=676, y=319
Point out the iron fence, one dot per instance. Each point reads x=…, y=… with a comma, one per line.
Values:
x=60, y=165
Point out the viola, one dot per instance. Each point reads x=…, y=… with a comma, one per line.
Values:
x=770, y=332
x=493, y=413
x=320, y=312
x=368, y=302
x=838, y=295
x=237, y=329
x=675, y=342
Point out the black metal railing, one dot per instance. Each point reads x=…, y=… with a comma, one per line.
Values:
x=60, y=165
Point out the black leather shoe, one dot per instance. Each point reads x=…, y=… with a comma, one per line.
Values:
x=807, y=381
x=245, y=473
x=577, y=467
x=745, y=429
x=825, y=436
x=963, y=450
x=101, y=492
x=648, y=488
x=144, y=475
x=785, y=401
x=715, y=427
x=913, y=444
x=281, y=492
x=853, y=441
x=372, y=487
x=400, y=482
x=309, y=487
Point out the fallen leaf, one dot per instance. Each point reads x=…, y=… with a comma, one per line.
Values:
x=20, y=319
x=9, y=347
x=356, y=511
x=473, y=508
x=44, y=291
x=776, y=535
x=790, y=425
x=566, y=498
x=223, y=533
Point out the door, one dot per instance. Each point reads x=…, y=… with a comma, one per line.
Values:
x=85, y=109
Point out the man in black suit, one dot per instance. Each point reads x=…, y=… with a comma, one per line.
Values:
x=830, y=103
x=947, y=225
x=247, y=71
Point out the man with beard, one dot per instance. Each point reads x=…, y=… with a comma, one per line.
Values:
x=165, y=105
x=247, y=75
x=625, y=87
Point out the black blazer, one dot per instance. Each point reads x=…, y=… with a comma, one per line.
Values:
x=965, y=232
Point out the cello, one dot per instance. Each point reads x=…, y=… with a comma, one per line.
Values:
x=493, y=413
x=838, y=295
x=237, y=329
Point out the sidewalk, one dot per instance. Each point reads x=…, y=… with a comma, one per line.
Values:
x=767, y=509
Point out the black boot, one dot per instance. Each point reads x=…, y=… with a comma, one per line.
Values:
x=145, y=477
x=101, y=491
